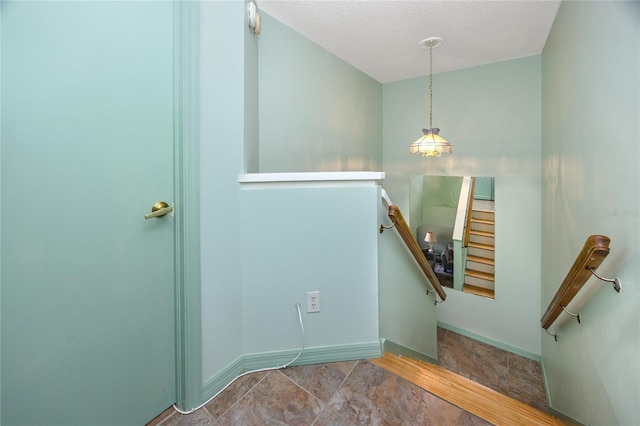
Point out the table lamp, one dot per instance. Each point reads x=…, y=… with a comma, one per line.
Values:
x=430, y=238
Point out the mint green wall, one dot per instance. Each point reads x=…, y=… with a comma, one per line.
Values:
x=230, y=74
x=317, y=113
x=408, y=316
x=224, y=104
x=440, y=200
x=483, y=189
x=306, y=238
x=491, y=115
x=0, y=202
x=590, y=185
x=251, y=104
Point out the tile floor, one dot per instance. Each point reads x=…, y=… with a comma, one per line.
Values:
x=505, y=372
x=360, y=393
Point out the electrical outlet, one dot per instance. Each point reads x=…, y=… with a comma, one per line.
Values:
x=313, y=301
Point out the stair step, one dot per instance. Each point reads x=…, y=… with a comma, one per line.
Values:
x=482, y=214
x=482, y=267
x=479, y=282
x=480, y=291
x=480, y=259
x=478, y=274
x=477, y=226
x=483, y=221
x=482, y=246
x=470, y=396
x=482, y=233
x=482, y=239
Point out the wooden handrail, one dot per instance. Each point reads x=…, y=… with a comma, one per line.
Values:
x=467, y=228
x=595, y=249
x=403, y=229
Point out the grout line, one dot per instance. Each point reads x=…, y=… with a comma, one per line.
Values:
x=300, y=386
x=318, y=416
x=338, y=390
x=325, y=405
x=240, y=397
x=322, y=403
x=209, y=413
x=345, y=378
x=167, y=418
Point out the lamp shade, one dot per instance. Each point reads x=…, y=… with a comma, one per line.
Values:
x=430, y=237
x=431, y=144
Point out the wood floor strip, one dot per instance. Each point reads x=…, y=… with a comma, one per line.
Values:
x=473, y=397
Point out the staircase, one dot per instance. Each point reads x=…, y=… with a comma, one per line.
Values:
x=480, y=266
x=473, y=397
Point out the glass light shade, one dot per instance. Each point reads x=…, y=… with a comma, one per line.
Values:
x=431, y=144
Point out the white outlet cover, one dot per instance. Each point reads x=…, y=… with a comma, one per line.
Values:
x=313, y=301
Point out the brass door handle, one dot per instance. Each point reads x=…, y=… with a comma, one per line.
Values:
x=159, y=209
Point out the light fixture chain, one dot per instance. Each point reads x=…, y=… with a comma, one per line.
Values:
x=430, y=144
x=431, y=86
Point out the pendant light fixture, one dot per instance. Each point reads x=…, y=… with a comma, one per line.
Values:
x=431, y=144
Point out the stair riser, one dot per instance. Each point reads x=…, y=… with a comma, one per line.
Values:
x=482, y=267
x=479, y=214
x=477, y=226
x=489, y=254
x=482, y=239
x=479, y=282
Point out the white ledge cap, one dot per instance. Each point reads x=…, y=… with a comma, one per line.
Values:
x=310, y=177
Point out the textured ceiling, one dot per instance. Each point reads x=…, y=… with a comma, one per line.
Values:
x=381, y=38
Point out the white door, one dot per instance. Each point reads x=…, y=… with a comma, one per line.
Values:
x=87, y=149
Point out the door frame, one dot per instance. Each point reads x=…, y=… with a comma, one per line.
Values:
x=188, y=317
